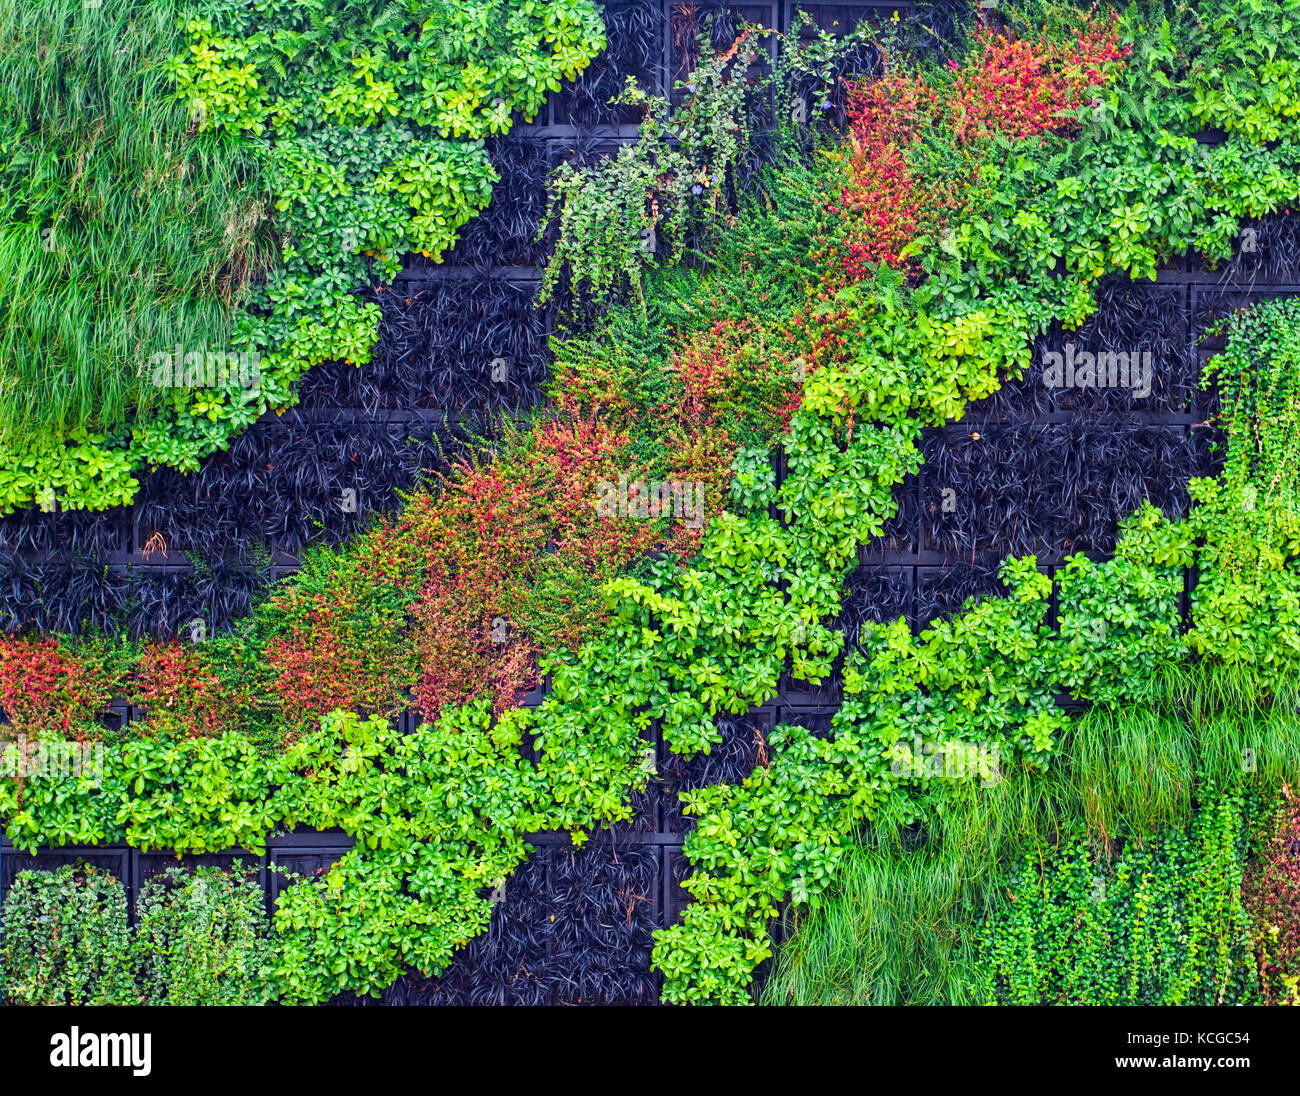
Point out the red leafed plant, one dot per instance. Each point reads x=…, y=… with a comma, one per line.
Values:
x=496, y=528
x=1020, y=88
x=475, y=535
x=1271, y=894
x=181, y=694
x=884, y=205
x=1007, y=87
x=332, y=650
x=728, y=377
x=48, y=692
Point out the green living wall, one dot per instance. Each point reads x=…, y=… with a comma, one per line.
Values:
x=196, y=196
x=870, y=284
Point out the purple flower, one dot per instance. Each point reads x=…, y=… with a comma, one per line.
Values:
x=697, y=189
x=826, y=105
x=690, y=88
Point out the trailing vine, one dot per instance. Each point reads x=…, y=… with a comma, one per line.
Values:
x=66, y=939
x=676, y=182
x=201, y=938
x=1160, y=923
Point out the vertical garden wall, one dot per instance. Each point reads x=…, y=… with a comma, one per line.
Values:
x=472, y=341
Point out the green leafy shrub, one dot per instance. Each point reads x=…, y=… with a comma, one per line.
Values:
x=351, y=132
x=203, y=938
x=66, y=940
x=439, y=817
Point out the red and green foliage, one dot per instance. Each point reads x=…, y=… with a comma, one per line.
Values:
x=515, y=551
x=48, y=691
x=333, y=637
x=182, y=693
x=1014, y=87
x=915, y=148
x=883, y=204
x=1271, y=894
